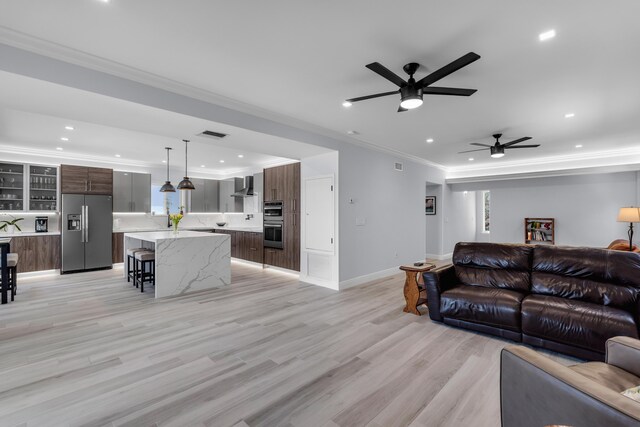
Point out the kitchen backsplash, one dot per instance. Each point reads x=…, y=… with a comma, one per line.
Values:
x=28, y=225
x=126, y=222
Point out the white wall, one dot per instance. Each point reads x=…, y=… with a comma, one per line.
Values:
x=584, y=206
x=459, y=218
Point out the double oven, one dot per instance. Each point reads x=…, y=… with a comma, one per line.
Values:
x=273, y=225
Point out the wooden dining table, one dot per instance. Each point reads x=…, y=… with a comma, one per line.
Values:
x=5, y=247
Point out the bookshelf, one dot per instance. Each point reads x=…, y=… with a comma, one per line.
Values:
x=540, y=231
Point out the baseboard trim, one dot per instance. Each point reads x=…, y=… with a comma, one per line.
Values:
x=319, y=282
x=345, y=284
x=39, y=273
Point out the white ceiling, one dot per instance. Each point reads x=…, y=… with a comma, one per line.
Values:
x=302, y=58
x=34, y=114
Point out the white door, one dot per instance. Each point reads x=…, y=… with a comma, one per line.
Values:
x=319, y=214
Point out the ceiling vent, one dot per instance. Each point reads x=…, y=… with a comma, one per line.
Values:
x=212, y=134
x=398, y=166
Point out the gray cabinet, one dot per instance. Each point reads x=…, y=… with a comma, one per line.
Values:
x=258, y=190
x=227, y=188
x=131, y=192
x=206, y=197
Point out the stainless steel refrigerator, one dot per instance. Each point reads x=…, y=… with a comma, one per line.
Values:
x=87, y=224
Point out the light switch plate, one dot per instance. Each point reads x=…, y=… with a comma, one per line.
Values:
x=360, y=221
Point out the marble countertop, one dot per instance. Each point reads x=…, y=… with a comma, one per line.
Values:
x=232, y=228
x=154, y=236
x=28, y=234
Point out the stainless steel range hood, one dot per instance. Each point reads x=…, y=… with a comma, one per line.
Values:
x=247, y=191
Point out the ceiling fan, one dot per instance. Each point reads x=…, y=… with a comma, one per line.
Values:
x=497, y=149
x=411, y=91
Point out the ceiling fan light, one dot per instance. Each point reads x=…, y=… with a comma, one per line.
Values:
x=410, y=97
x=497, y=151
x=411, y=103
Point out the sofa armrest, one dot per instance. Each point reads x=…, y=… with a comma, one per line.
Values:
x=537, y=391
x=436, y=282
x=624, y=352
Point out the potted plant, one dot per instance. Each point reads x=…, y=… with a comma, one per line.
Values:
x=10, y=226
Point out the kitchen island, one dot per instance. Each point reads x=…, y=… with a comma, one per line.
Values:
x=186, y=262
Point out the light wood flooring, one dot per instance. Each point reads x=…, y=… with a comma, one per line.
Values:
x=90, y=350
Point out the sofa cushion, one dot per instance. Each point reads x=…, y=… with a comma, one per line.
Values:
x=574, y=322
x=599, y=276
x=609, y=376
x=493, y=265
x=489, y=306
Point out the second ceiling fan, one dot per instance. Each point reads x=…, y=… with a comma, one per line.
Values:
x=411, y=91
x=497, y=149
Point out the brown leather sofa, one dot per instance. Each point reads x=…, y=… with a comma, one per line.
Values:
x=565, y=299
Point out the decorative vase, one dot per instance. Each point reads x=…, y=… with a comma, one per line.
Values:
x=11, y=229
x=175, y=227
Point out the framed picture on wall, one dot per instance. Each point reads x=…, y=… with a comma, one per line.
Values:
x=430, y=205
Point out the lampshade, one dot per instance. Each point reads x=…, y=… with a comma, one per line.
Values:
x=410, y=97
x=167, y=187
x=186, y=183
x=631, y=214
x=497, y=151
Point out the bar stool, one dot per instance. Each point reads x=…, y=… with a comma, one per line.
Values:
x=141, y=273
x=12, y=265
x=130, y=253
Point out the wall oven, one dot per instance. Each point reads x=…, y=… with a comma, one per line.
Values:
x=273, y=234
x=273, y=211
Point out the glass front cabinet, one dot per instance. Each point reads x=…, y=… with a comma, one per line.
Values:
x=43, y=188
x=28, y=187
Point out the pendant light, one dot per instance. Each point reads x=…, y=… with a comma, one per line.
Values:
x=167, y=187
x=186, y=183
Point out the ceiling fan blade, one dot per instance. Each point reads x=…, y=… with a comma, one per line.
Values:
x=471, y=151
x=402, y=110
x=380, y=69
x=523, y=146
x=481, y=145
x=443, y=72
x=377, y=95
x=517, y=141
x=448, y=91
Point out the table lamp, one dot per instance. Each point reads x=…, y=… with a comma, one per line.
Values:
x=630, y=215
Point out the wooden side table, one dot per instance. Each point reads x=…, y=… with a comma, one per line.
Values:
x=411, y=288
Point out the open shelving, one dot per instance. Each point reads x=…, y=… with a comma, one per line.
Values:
x=539, y=231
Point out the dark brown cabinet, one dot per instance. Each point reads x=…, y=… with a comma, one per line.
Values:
x=282, y=183
x=117, y=247
x=85, y=180
x=245, y=245
x=37, y=253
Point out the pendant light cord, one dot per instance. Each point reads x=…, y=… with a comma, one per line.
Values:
x=186, y=147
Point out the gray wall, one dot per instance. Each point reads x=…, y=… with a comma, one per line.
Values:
x=459, y=219
x=584, y=206
x=434, y=223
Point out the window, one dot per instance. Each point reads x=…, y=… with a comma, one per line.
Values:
x=486, y=212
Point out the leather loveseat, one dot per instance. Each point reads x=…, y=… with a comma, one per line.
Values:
x=566, y=299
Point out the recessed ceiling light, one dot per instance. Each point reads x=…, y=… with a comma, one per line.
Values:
x=471, y=159
x=117, y=155
x=221, y=161
x=429, y=140
x=547, y=35
x=64, y=138
x=352, y=132
x=201, y=166
x=59, y=148
x=569, y=115
x=578, y=145
x=69, y=127
x=164, y=161
x=240, y=155
x=346, y=104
